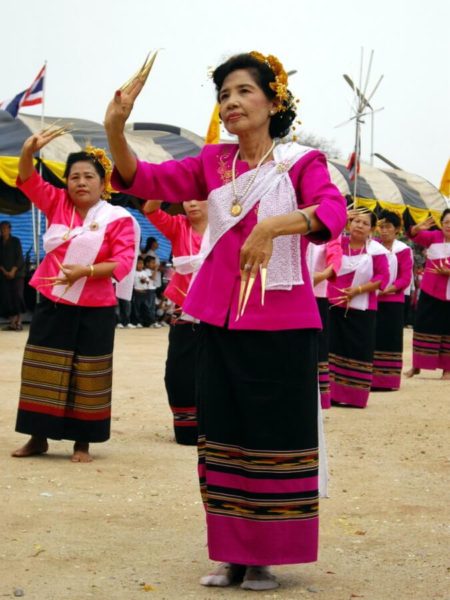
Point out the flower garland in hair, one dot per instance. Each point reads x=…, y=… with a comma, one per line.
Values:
x=100, y=156
x=279, y=86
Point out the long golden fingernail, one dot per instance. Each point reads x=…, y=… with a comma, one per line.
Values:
x=251, y=281
x=263, y=273
x=241, y=293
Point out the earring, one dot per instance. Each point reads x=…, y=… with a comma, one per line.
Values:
x=271, y=113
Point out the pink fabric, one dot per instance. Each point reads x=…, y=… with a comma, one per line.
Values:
x=388, y=382
x=118, y=244
x=343, y=394
x=334, y=254
x=432, y=283
x=404, y=276
x=243, y=542
x=304, y=484
x=380, y=273
x=213, y=297
x=185, y=240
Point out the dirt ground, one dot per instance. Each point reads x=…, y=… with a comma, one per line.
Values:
x=130, y=525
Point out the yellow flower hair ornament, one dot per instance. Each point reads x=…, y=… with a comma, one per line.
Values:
x=285, y=100
x=100, y=156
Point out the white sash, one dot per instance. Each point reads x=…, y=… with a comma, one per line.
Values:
x=275, y=193
x=362, y=266
x=316, y=259
x=85, y=243
x=441, y=251
x=397, y=247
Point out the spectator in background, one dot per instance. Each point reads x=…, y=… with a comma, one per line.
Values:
x=12, y=274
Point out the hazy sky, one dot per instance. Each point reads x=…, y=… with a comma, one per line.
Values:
x=94, y=46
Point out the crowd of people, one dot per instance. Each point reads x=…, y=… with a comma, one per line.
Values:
x=266, y=241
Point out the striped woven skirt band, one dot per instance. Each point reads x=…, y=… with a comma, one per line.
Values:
x=387, y=357
x=431, y=338
x=66, y=380
x=352, y=341
x=179, y=379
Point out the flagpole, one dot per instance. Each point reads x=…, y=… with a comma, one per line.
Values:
x=39, y=214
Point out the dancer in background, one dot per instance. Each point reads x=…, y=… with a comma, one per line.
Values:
x=67, y=366
x=353, y=297
x=324, y=263
x=388, y=354
x=185, y=234
x=431, y=339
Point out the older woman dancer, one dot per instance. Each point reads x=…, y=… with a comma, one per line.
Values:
x=185, y=234
x=388, y=354
x=67, y=365
x=352, y=294
x=431, y=338
x=257, y=370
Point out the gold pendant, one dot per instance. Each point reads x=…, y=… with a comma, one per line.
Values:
x=236, y=210
x=93, y=226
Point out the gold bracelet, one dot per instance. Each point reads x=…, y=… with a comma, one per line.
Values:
x=360, y=289
x=91, y=274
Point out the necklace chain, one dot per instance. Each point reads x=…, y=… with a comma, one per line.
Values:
x=236, y=207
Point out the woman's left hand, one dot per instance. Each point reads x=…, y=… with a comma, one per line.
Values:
x=71, y=274
x=257, y=249
x=441, y=268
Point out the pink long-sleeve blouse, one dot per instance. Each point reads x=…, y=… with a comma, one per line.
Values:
x=380, y=273
x=185, y=241
x=432, y=283
x=214, y=294
x=403, y=279
x=118, y=244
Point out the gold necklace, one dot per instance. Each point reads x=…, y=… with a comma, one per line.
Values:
x=236, y=206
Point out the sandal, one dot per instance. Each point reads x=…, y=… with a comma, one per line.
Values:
x=225, y=575
x=259, y=579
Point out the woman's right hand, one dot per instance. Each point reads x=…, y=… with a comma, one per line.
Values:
x=120, y=107
x=424, y=225
x=38, y=140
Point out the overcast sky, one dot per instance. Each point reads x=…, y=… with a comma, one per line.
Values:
x=93, y=46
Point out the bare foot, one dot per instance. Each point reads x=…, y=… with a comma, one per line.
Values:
x=445, y=375
x=81, y=453
x=413, y=371
x=34, y=446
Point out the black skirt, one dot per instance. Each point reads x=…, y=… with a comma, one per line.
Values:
x=66, y=382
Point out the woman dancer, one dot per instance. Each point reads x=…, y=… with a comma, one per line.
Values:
x=185, y=234
x=353, y=297
x=388, y=354
x=67, y=365
x=324, y=263
x=431, y=339
x=257, y=370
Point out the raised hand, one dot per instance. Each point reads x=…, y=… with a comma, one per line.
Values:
x=120, y=107
x=38, y=140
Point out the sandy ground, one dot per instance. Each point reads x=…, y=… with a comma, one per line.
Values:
x=130, y=524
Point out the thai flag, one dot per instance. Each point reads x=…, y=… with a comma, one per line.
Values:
x=33, y=95
x=353, y=166
x=13, y=104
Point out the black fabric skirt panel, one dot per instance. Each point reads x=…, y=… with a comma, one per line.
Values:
x=324, y=310
x=432, y=316
x=389, y=327
x=67, y=373
x=258, y=389
x=180, y=380
x=352, y=333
